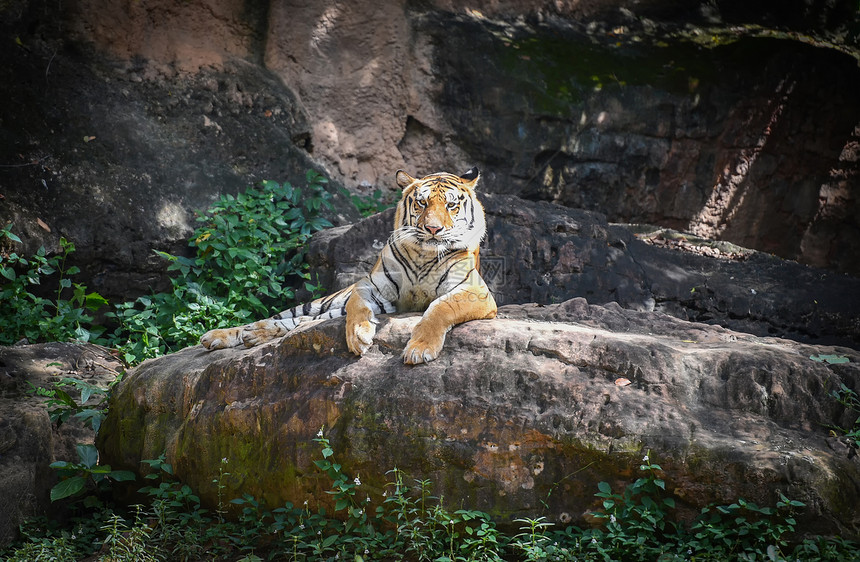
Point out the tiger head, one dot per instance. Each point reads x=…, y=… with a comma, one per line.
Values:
x=439, y=212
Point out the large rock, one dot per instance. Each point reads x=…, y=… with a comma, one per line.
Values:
x=519, y=414
x=545, y=253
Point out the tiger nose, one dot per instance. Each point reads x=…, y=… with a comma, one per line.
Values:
x=432, y=229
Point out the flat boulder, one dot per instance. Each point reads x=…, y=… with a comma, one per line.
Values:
x=521, y=415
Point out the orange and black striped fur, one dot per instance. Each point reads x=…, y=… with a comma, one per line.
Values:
x=430, y=263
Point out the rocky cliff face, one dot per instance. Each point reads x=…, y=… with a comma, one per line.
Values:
x=121, y=120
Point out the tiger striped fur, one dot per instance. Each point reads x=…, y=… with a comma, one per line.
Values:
x=430, y=263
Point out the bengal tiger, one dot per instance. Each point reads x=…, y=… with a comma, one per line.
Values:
x=430, y=263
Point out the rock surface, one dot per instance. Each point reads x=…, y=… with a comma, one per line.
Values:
x=520, y=416
x=29, y=442
x=117, y=155
x=545, y=253
x=121, y=120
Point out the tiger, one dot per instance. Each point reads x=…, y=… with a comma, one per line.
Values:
x=430, y=264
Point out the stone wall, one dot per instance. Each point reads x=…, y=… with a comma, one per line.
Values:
x=123, y=119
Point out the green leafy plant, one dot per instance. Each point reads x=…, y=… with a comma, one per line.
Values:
x=61, y=406
x=129, y=543
x=76, y=476
x=636, y=517
x=26, y=313
x=371, y=204
x=245, y=248
x=851, y=401
x=409, y=523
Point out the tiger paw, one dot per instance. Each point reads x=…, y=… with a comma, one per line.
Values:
x=422, y=350
x=221, y=339
x=359, y=336
x=261, y=332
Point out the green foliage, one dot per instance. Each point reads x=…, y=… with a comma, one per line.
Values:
x=245, y=246
x=408, y=523
x=61, y=406
x=76, y=476
x=851, y=401
x=371, y=204
x=637, y=526
x=26, y=314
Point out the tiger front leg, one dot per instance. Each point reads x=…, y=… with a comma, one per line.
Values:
x=444, y=313
x=360, y=324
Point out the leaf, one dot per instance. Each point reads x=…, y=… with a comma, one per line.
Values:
x=95, y=301
x=604, y=487
x=88, y=454
x=42, y=224
x=67, y=487
x=122, y=475
x=95, y=418
x=830, y=359
x=64, y=397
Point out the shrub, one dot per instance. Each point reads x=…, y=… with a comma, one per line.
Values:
x=25, y=314
x=245, y=246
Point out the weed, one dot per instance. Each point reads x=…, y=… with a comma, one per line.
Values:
x=851, y=401
x=409, y=523
x=76, y=476
x=25, y=314
x=244, y=248
x=61, y=406
x=370, y=204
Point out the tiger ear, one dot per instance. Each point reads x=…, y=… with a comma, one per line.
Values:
x=472, y=174
x=403, y=179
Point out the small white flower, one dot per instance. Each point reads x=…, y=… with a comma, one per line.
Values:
x=645, y=458
x=385, y=494
x=224, y=460
x=366, y=551
x=612, y=519
x=302, y=526
x=368, y=499
x=306, y=502
x=320, y=432
x=357, y=481
x=593, y=540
